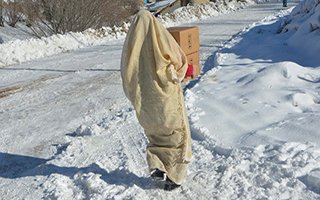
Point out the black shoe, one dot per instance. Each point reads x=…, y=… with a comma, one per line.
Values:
x=170, y=185
x=158, y=175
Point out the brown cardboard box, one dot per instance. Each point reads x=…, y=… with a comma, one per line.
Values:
x=187, y=38
x=193, y=59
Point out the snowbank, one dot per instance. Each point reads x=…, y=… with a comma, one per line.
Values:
x=267, y=75
x=18, y=51
x=304, y=22
x=199, y=12
x=259, y=106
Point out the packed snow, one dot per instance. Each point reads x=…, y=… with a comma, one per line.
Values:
x=68, y=132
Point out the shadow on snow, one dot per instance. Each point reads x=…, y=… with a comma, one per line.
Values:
x=14, y=166
x=264, y=42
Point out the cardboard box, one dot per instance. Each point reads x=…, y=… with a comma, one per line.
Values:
x=193, y=59
x=186, y=37
x=188, y=40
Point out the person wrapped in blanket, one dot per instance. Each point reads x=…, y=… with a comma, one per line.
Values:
x=152, y=69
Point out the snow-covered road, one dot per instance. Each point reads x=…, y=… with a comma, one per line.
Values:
x=52, y=96
x=68, y=132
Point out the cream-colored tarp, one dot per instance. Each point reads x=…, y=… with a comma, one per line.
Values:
x=152, y=67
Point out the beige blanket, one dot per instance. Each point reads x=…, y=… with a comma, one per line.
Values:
x=152, y=67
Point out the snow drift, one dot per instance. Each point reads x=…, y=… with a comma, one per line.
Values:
x=304, y=22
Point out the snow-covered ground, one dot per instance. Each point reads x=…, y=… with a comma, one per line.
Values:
x=68, y=132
